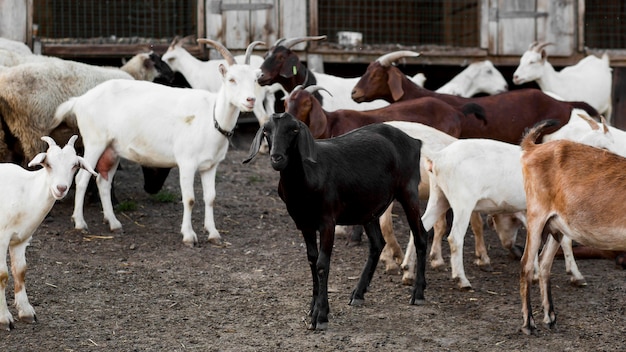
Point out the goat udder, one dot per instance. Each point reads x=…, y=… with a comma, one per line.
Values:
x=106, y=161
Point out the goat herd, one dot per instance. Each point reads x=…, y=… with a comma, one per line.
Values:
x=346, y=148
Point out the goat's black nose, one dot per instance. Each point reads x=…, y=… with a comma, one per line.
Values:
x=276, y=158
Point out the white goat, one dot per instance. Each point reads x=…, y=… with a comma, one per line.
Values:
x=419, y=79
x=205, y=75
x=32, y=91
x=160, y=126
x=590, y=80
x=478, y=77
x=15, y=46
x=27, y=197
x=496, y=187
x=433, y=140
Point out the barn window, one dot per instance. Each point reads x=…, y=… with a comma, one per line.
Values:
x=404, y=22
x=605, y=24
x=113, y=21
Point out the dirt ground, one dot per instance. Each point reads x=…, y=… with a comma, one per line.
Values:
x=143, y=290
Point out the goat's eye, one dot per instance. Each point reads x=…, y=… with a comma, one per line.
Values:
x=296, y=130
x=489, y=71
x=232, y=81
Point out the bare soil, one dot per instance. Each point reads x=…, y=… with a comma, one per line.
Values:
x=143, y=290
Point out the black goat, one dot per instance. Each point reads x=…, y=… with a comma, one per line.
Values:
x=346, y=180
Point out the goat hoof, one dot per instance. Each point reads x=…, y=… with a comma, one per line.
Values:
x=318, y=326
x=464, y=285
x=190, y=244
x=357, y=302
x=408, y=280
x=417, y=301
x=28, y=319
x=7, y=326
x=578, y=282
x=527, y=330
x=393, y=269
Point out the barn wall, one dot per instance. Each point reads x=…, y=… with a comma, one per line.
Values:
x=14, y=19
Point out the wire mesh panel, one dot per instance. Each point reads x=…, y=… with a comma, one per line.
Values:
x=404, y=22
x=605, y=24
x=114, y=20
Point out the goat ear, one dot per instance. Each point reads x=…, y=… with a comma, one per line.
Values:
x=317, y=120
x=223, y=70
x=255, y=146
x=85, y=165
x=38, y=160
x=290, y=67
x=395, y=84
x=306, y=144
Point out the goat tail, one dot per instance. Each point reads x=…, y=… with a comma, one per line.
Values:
x=584, y=106
x=536, y=132
x=477, y=110
x=65, y=113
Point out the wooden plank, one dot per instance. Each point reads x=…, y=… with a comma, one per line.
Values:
x=559, y=27
x=484, y=24
x=262, y=22
x=236, y=25
x=293, y=20
x=516, y=26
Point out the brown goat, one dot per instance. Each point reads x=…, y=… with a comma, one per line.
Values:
x=507, y=114
x=574, y=190
x=433, y=112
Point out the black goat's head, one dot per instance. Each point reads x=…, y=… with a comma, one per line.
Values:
x=281, y=64
x=286, y=136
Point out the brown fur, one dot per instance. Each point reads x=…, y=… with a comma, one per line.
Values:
x=574, y=190
x=507, y=114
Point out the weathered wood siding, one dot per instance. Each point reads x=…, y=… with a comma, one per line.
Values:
x=514, y=24
x=14, y=19
x=237, y=28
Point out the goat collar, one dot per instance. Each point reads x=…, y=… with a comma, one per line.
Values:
x=227, y=134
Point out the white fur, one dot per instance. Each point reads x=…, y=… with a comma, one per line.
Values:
x=590, y=80
x=485, y=175
x=160, y=126
x=15, y=46
x=32, y=91
x=27, y=197
x=478, y=77
x=204, y=75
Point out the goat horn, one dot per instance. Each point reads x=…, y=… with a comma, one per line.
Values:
x=533, y=45
x=288, y=43
x=50, y=141
x=541, y=46
x=175, y=41
x=228, y=56
x=314, y=88
x=72, y=140
x=388, y=59
x=249, y=50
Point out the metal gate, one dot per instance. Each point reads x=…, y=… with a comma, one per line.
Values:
x=422, y=22
x=114, y=21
